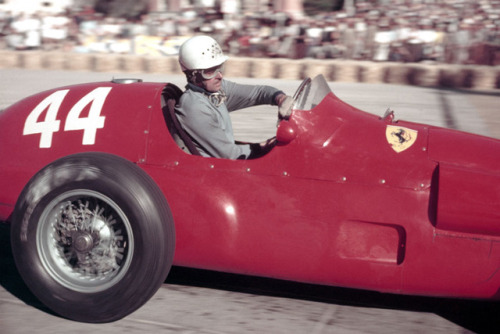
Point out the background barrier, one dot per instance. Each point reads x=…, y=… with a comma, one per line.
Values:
x=426, y=75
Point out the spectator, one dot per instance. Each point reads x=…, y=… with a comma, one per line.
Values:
x=459, y=32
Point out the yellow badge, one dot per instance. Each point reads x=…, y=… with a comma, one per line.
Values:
x=400, y=138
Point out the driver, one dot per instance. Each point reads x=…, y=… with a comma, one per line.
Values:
x=203, y=109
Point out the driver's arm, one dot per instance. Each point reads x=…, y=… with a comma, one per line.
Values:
x=243, y=96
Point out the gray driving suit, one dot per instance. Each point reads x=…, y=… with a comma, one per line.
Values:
x=205, y=116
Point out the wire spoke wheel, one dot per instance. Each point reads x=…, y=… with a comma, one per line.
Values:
x=93, y=237
x=85, y=241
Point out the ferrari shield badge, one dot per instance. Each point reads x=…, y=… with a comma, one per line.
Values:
x=400, y=138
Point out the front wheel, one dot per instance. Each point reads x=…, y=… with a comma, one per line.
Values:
x=93, y=237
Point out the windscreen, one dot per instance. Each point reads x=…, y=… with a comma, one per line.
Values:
x=310, y=93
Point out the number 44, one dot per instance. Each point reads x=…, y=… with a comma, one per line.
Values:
x=51, y=124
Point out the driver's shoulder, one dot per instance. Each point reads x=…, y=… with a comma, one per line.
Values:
x=191, y=100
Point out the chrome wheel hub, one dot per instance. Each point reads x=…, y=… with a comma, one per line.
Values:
x=85, y=241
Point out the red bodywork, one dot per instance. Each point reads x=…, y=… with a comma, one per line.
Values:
x=346, y=198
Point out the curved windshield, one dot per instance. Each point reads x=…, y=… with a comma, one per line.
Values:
x=310, y=93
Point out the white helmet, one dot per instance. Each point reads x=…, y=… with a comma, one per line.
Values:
x=200, y=52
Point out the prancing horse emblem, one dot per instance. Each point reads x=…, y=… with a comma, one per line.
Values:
x=400, y=138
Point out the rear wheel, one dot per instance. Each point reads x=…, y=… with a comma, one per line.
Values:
x=93, y=237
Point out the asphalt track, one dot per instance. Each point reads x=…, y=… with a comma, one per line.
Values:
x=194, y=301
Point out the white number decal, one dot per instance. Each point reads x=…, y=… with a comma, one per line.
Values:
x=51, y=124
x=94, y=121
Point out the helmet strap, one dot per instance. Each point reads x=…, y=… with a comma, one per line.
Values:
x=194, y=77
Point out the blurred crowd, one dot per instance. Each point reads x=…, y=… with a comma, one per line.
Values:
x=444, y=31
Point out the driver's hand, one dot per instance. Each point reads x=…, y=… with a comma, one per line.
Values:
x=285, y=104
x=260, y=149
x=268, y=144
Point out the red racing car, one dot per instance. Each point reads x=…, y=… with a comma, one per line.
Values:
x=104, y=194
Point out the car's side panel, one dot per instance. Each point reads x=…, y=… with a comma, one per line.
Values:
x=465, y=150
x=453, y=264
x=320, y=211
x=278, y=226
x=106, y=117
x=468, y=181
x=468, y=200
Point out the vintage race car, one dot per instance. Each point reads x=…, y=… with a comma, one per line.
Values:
x=104, y=194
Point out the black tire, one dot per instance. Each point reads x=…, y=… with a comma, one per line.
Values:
x=93, y=237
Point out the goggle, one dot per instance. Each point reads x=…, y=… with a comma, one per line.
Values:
x=212, y=72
